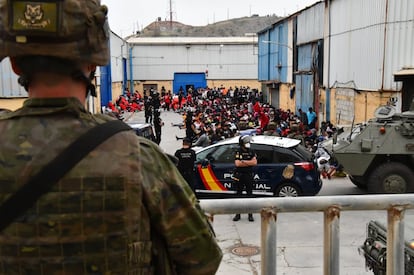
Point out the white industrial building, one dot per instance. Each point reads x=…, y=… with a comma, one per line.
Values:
x=173, y=62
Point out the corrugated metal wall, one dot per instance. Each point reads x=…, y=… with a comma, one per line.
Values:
x=357, y=43
x=119, y=52
x=115, y=71
x=370, y=40
x=305, y=58
x=399, y=51
x=305, y=78
x=9, y=87
x=223, y=61
x=274, y=50
x=310, y=31
x=311, y=22
x=106, y=85
x=183, y=80
x=359, y=53
x=304, y=93
x=264, y=57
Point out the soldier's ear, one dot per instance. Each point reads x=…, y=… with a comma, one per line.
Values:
x=14, y=66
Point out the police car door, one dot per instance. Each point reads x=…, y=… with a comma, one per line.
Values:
x=216, y=174
x=266, y=171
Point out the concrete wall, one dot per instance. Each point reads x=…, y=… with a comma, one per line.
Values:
x=285, y=101
x=347, y=105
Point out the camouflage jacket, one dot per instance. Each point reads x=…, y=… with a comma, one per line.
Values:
x=117, y=211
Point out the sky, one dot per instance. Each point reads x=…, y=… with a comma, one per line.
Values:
x=128, y=16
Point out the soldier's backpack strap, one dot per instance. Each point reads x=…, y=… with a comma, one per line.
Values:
x=42, y=182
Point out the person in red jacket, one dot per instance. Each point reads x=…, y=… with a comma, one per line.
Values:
x=167, y=101
x=189, y=99
x=257, y=108
x=264, y=121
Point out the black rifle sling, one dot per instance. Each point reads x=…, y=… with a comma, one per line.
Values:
x=18, y=203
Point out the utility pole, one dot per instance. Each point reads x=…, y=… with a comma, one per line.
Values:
x=171, y=11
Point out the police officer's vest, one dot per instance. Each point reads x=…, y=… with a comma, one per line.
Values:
x=244, y=155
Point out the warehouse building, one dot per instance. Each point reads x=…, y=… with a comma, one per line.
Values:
x=342, y=57
x=196, y=62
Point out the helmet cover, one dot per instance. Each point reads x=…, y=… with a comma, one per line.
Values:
x=70, y=29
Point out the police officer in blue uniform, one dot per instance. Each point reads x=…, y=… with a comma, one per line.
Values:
x=244, y=159
x=186, y=158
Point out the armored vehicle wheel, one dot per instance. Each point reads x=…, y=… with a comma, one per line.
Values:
x=391, y=178
x=287, y=190
x=358, y=181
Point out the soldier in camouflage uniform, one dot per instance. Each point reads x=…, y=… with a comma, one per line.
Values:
x=114, y=212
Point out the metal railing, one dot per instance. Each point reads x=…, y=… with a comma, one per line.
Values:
x=331, y=206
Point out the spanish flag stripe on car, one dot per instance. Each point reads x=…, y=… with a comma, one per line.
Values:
x=209, y=179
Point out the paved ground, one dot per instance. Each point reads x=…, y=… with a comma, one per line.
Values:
x=299, y=235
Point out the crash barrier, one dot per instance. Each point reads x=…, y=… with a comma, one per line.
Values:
x=331, y=206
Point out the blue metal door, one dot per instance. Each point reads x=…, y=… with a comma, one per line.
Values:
x=125, y=76
x=196, y=80
x=304, y=92
x=106, y=85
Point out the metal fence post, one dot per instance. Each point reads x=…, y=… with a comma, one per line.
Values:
x=395, y=241
x=269, y=241
x=396, y=204
x=331, y=240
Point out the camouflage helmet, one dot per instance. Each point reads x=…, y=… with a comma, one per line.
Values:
x=70, y=29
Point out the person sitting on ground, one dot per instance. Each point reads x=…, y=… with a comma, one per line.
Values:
x=203, y=139
x=323, y=161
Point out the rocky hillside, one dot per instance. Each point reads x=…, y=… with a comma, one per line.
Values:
x=233, y=27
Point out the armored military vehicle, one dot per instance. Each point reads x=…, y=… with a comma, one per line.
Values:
x=381, y=156
x=374, y=248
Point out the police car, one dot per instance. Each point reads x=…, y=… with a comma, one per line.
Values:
x=142, y=129
x=284, y=168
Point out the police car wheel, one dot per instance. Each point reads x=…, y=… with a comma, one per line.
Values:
x=287, y=190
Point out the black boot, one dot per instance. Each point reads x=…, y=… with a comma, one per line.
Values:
x=236, y=218
x=251, y=217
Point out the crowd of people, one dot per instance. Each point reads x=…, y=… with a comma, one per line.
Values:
x=221, y=112
x=213, y=114
x=127, y=102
